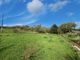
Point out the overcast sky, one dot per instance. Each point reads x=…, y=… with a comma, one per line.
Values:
x=45, y=12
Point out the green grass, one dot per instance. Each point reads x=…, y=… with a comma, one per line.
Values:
x=34, y=46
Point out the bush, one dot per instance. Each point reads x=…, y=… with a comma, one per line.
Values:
x=15, y=30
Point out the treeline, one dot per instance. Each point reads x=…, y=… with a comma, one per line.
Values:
x=63, y=28
x=54, y=29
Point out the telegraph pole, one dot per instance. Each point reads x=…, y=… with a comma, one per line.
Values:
x=2, y=18
x=2, y=22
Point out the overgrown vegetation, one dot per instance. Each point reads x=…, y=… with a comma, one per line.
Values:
x=39, y=42
x=54, y=29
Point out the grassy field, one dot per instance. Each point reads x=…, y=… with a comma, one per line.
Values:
x=34, y=46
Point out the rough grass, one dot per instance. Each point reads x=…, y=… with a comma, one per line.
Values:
x=34, y=46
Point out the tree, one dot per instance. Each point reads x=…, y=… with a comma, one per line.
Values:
x=54, y=29
x=67, y=27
